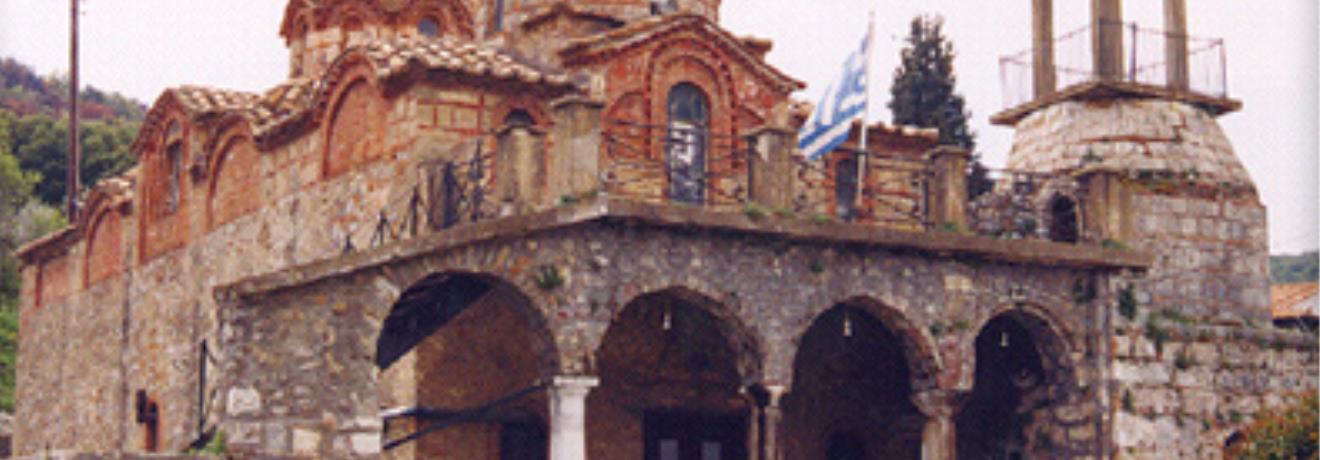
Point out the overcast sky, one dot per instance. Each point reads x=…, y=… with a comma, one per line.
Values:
x=139, y=47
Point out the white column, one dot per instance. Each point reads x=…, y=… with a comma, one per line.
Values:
x=939, y=438
x=773, y=414
x=568, y=416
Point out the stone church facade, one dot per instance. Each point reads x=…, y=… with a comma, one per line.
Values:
x=492, y=229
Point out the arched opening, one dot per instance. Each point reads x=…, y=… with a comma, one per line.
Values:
x=670, y=373
x=851, y=396
x=685, y=147
x=464, y=359
x=1004, y=416
x=1063, y=220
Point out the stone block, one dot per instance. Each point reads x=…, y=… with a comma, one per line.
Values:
x=306, y=442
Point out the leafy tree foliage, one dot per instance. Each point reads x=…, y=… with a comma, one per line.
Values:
x=923, y=93
x=1287, y=433
x=41, y=145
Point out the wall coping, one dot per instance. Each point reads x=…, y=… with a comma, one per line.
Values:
x=791, y=229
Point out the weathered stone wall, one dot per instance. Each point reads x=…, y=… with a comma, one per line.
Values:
x=325, y=325
x=1183, y=387
x=140, y=323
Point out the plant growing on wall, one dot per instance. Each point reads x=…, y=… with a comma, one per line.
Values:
x=1286, y=433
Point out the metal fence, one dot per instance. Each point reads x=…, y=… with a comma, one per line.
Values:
x=1145, y=61
x=674, y=163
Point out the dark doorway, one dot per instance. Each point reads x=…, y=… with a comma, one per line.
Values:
x=1009, y=383
x=845, y=446
x=694, y=436
x=851, y=396
x=523, y=440
x=1063, y=220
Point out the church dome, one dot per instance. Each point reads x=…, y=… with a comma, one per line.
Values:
x=1150, y=136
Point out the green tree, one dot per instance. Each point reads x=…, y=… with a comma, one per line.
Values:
x=923, y=93
x=41, y=145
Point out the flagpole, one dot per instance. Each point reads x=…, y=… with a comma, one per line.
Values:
x=866, y=111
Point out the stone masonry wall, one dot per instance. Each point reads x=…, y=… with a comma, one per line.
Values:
x=324, y=326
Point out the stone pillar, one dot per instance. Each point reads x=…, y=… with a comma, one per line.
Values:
x=946, y=195
x=575, y=162
x=1042, y=49
x=771, y=417
x=939, y=437
x=568, y=416
x=1106, y=207
x=1175, y=43
x=1107, y=39
x=518, y=167
x=754, y=415
x=769, y=169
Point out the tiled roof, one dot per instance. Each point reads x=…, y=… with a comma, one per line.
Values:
x=199, y=101
x=642, y=30
x=1295, y=300
x=397, y=55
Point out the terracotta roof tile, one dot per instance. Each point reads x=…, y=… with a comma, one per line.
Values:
x=396, y=55
x=1295, y=300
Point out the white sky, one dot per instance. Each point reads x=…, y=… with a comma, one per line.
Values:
x=139, y=47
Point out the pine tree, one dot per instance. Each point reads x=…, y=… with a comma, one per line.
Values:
x=923, y=94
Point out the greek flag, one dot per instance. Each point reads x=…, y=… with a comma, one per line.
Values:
x=844, y=101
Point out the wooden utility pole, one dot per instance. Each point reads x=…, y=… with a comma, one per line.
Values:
x=72, y=175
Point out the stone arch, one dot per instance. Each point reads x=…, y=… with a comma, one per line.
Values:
x=670, y=361
x=741, y=338
x=918, y=347
x=236, y=181
x=354, y=127
x=430, y=287
x=1062, y=221
x=1023, y=373
x=461, y=341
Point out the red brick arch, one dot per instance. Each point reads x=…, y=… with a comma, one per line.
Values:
x=236, y=184
x=105, y=242
x=355, y=125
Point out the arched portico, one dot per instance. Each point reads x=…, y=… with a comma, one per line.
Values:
x=464, y=360
x=1023, y=374
x=854, y=377
x=673, y=366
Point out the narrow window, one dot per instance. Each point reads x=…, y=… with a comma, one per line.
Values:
x=428, y=27
x=845, y=188
x=174, y=167
x=686, y=143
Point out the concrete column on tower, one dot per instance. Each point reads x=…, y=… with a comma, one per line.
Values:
x=1042, y=49
x=1107, y=39
x=1175, y=43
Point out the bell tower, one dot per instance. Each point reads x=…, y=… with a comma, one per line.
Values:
x=1138, y=105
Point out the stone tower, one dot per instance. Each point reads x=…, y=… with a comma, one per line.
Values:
x=1145, y=119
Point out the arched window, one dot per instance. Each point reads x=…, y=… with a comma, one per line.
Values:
x=845, y=188
x=428, y=27
x=685, y=149
x=1063, y=220
x=173, y=169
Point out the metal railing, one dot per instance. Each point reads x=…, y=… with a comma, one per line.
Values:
x=893, y=194
x=1145, y=61
x=678, y=164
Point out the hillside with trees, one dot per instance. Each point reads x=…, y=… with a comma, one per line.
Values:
x=1298, y=268
x=34, y=129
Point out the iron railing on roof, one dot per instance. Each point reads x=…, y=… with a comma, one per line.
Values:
x=1145, y=61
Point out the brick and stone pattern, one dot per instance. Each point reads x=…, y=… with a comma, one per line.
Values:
x=605, y=267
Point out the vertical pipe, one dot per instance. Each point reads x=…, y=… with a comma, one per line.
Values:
x=1042, y=58
x=71, y=181
x=1175, y=43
